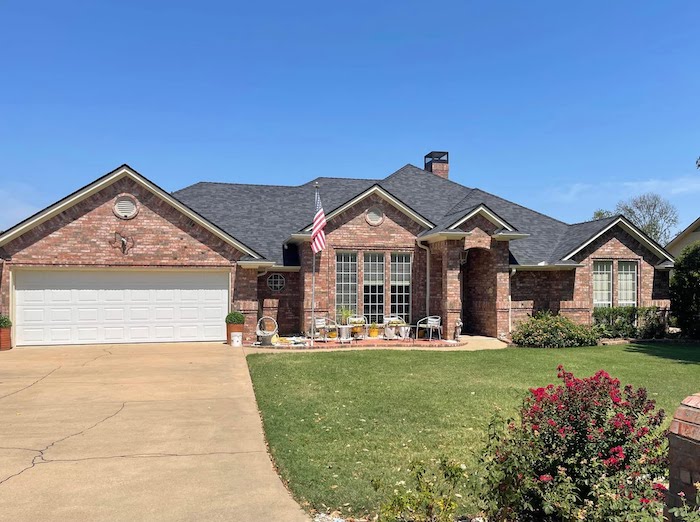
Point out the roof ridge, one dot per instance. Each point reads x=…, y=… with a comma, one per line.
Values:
x=451, y=211
x=593, y=220
x=522, y=206
x=427, y=172
x=265, y=185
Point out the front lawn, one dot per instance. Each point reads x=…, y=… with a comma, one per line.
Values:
x=335, y=421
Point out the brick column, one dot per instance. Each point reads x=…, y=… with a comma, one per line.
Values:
x=684, y=451
x=245, y=299
x=451, y=287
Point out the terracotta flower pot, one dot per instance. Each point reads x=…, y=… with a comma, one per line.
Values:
x=374, y=332
x=231, y=328
x=5, y=338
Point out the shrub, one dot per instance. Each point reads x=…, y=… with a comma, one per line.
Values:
x=650, y=324
x=629, y=321
x=685, y=296
x=547, y=330
x=5, y=322
x=616, y=321
x=583, y=450
x=432, y=494
x=235, y=318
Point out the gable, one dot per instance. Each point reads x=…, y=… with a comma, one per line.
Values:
x=90, y=233
x=123, y=172
x=377, y=191
x=621, y=222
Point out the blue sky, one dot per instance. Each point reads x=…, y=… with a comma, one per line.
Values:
x=564, y=107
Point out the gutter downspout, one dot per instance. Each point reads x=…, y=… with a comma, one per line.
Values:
x=427, y=276
x=510, y=301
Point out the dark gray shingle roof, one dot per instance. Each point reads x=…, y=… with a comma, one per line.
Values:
x=263, y=216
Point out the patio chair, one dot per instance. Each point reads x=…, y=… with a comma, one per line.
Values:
x=266, y=329
x=358, y=321
x=430, y=324
x=391, y=327
x=324, y=325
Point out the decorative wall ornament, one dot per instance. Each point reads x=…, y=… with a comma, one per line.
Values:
x=122, y=242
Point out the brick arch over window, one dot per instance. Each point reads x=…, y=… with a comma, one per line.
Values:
x=479, y=292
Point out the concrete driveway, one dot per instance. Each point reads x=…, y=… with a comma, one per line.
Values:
x=134, y=432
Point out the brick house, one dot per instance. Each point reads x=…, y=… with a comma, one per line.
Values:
x=121, y=260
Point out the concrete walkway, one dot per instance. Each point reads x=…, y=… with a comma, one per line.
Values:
x=471, y=343
x=134, y=432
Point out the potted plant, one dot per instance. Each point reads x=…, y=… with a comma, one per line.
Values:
x=373, y=330
x=234, y=323
x=5, y=333
x=345, y=314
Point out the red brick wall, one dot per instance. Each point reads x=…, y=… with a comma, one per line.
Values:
x=486, y=280
x=684, y=452
x=349, y=231
x=284, y=305
x=84, y=235
x=571, y=292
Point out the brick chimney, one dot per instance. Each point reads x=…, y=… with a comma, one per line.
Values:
x=438, y=163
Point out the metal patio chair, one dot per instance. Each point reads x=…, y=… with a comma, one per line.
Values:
x=430, y=324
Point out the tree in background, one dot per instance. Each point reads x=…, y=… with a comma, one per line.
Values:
x=685, y=290
x=654, y=215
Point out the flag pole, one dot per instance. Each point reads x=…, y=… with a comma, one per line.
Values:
x=313, y=299
x=313, y=285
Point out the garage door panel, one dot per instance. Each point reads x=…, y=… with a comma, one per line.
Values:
x=64, y=307
x=87, y=334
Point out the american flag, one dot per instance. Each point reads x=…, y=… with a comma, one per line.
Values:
x=318, y=236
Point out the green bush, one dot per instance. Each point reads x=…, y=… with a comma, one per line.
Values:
x=685, y=291
x=5, y=321
x=650, y=324
x=616, y=321
x=643, y=322
x=431, y=495
x=547, y=330
x=586, y=449
x=235, y=318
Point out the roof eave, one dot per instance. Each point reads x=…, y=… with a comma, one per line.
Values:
x=107, y=180
x=444, y=236
x=632, y=230
x=543, y=267
x=509, y=236
x=386, y=195
x=486, y=212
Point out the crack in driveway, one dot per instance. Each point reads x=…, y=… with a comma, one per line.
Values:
x=32, y=384
x=107, y=352
x=39, y=458
x=155, y=455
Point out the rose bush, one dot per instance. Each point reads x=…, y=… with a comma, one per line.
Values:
x=586, y=449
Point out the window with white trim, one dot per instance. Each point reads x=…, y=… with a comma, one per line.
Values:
x=627, y=283
x=602, y=283
x=373, y=287
x=401, y=286
x=345, y=283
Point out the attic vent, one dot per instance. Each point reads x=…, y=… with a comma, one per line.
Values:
x=374, y=216
x=125, y=207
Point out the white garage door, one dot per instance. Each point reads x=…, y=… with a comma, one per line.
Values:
x=67, y=307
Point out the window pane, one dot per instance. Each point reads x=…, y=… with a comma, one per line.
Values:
x=627, y=283
x=346, y=282
x=602, y=283
x=373, y=287
x=401, y=286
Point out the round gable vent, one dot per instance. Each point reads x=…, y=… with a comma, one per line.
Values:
x=125, y=207
x=374, y=216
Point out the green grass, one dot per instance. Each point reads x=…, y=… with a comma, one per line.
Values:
x=335, y=421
